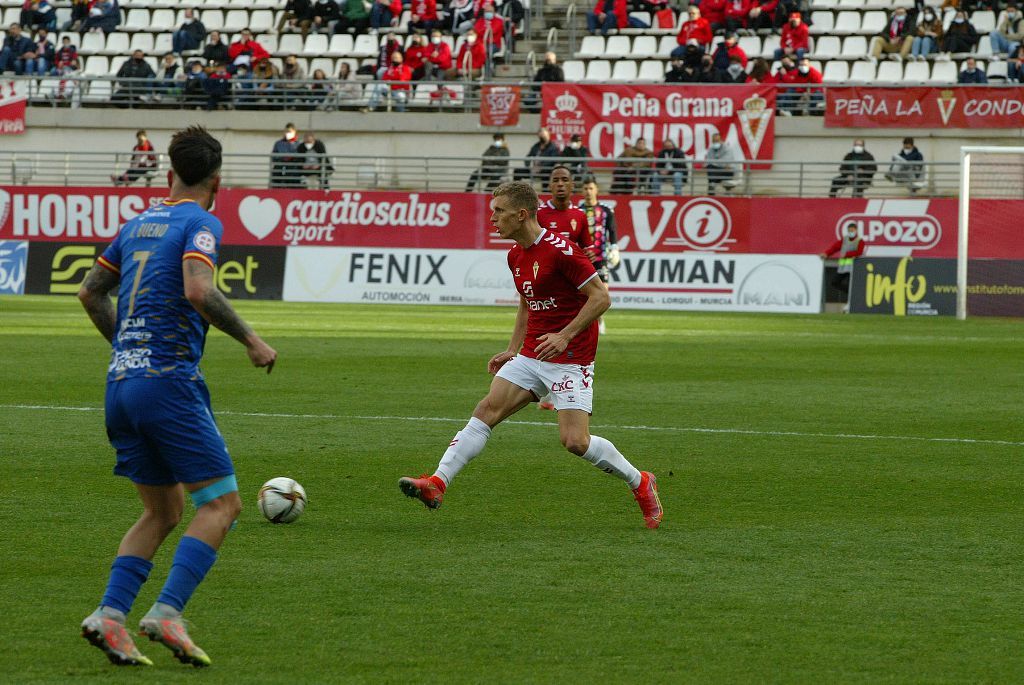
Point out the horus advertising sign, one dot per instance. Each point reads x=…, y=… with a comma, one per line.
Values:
x=609, y=117
x=959, y=107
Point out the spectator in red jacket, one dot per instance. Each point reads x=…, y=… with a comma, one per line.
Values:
x=795, y=39
x=799, y=99
x=246, y=51
x=761, y=73
x=726, y=50
x=399, y=74
x=439, y=57
x=385, y=13
x=492, y=21
x=424, y=16
x=736, y=12
x=143, y=161
x=416, y=56
x=474, y=47
x=608, y=15
x=696, y=31
x=761, y=14
x=714, y=12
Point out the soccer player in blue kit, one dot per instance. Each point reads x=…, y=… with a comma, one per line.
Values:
x=158, y=413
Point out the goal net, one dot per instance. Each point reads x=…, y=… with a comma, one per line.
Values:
x=990, y=252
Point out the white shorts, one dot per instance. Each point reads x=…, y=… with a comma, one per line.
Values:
x=571, y=385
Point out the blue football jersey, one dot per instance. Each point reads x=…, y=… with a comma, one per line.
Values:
x=159, y=334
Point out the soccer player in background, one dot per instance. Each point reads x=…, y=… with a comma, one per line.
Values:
x=552, y=349
x=158, y=414
x=602, y=248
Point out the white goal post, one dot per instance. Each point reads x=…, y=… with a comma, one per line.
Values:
x=999, y=185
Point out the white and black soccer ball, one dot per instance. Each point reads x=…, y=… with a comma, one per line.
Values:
x=281, y=500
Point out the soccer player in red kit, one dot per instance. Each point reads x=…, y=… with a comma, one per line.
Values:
x=559, y=215
x=551, y=350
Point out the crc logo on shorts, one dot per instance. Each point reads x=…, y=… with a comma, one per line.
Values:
x=205, y=242
x=895, y=223
x=564, y=385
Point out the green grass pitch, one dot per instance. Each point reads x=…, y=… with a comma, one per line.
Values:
x=843, y=502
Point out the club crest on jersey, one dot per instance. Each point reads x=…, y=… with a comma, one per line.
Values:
x=573, y=224
x=205, y=242
x=536, y=268
x=516, y=272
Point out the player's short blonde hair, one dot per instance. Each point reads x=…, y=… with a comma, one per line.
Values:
x=521, y=195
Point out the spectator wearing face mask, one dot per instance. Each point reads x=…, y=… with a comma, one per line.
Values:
x=215, y=50
x=927, y=35
x=475, y=62
x=896, y=38
x=438, y=57
x=424, y=16
x=734, y=73
x=857, y=170
x=847, y=248
x=726, y=50
x=399, y=74
x=795, y=40
x=540, y=159
x=785, y=10
x=1015, y=65
x=971, y=75
x=671, y=166
x=493, y=166
x=1010, y=32
x=907, y=168
x=682, y=71
x=491, y=28
x=138, y=75
x=550, y=71
x=695, y=31
x=190, y=34
x=961, y=36
x=801, y=96
x=575, y=156
x=721, y=165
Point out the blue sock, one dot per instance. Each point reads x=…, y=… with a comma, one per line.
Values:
x=127, y=574
x=192, y=560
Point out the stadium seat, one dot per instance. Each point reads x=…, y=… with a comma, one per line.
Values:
x=617, y=47
x=162, y=20
x=574, y=70
x=424, y=95
x=824, y=5
x=666, y=45
x=850, y=5
x=862, y=72
x=836, y=71
x=340, y=45
x=316, y=45
x=854, y=47
x=917, y=72
x=984, y=49
x=260, y=21
x=92, y=43
x=873, y=22
x=236, y=20
x=624, y=71
x=751, y=45
x=290, y=44
x=99, y=91
x=366, y=46
x=163, y=43
x=847, y=23
x=324, y=63
x=591, y=47
x=268, y=41
x=403, y=22
x=997, y=71
x=984, y=21
x=213, y=20
x=136, y=20
x=598, y=70
x=944, y=73
x=770, y=45
x=822, y=23
x=651, y=71
x=827, y=47
x=645, y=46
x=117, y=44
x=889, y=72
x=115, y=65
x=96, y=65
x=142, y=41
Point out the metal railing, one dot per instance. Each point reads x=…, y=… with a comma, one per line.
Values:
x=745, y=178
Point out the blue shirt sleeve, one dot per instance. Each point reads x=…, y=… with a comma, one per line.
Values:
x=202, y=239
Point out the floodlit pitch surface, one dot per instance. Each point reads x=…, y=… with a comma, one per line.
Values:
x=843, y=504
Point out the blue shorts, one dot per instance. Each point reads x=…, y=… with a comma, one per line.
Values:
x=164, y=432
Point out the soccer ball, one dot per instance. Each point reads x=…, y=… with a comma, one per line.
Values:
x=281, y=500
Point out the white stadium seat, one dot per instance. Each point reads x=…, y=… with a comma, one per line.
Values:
x=366, y=46
x=944, y=73
x=889, y=72
x=142, y=41
x=863, y=72
x=213, y=20
x=651, y=70
x=599, y=70
x=624, y=71
x=261, y=21
x=827, y=47
x=236, y=20
x=847, y=23
x=96, y=65
x=984, y=21
x=162, y=20
x=574, y=70
x=591, y=47
x=617, y=47
x=822, y=23
x=645, y=46
x=917, y=72
x=850, y=5
x=666, y=45
x=874, y=22
x=855, y=47
x=340, y=45
x=137, y=20
x=290, y=44
x=836, y=71
x=751, y=45
x=316, y=45
x=117, y=44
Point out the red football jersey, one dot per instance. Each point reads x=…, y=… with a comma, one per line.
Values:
x=549, y=275
x=569, y=223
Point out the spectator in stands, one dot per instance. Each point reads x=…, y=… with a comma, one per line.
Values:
x=707, y=73
x=490, y=23
x=896, y=38
x=326, y=14
x=539, y=160
x=785, y=10
x=44, y=16
x=385, y=14
x=194, y=90
x=575, y=155
x=346, y=92
x=513, y=12
x=246, y=51
x=734, y=73
x=695, y=31
x=285, y=162
x=292, y=88
x=857, y=170
x=316, y=163
x=714, y=12
x=15, y=49
x=736, y=12
x=849, y=247
x=608, y=15
x=389, y=46
x=795, y=40
x=679, y=72
x=217, y=86
x=961, y=36
x=799, y=98
x=416, y=56
x=493, y=166
x=477, y=59
x=298, y=14
x=264, y=75
x=721, y=164
x=643, y=165
x=671, y=166
x=1010, y=32
x=907, y=168
x=439, y=58
x=167, y=75
x=138, y=75
x=144, y=161
x=927, y=35
x=624, y=174
x=398, y=75
x=971, y=74
x=1015, y=65
x=726, y=50
x=355, y=17
x=104, y=15
x=243, y=88
x=550, y=71
x=761, y=16
x=79, y=13
x=65, y=60
x=424, y=16
x=761, y=72
x=42, y=56
x=461, y=15
x=215, y=50
x=318, y=92
x=190, y=34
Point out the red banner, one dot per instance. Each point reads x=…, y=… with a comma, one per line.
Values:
x=499, y=105
x=759, y=225
x=12, y=107
x=959, y=107
x=610, y=116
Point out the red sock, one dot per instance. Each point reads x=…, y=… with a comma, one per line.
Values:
x=436, y=480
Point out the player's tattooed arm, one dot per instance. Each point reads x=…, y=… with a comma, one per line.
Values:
x=95, y=297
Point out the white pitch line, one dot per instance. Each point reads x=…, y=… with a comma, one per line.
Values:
x=666, y=429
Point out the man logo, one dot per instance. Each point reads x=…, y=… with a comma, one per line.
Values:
x=259, y=216
x=69, y=267
x=703, y=224
x=773, y=284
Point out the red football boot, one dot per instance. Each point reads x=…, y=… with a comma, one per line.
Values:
x=427, y=489
x=647, y=497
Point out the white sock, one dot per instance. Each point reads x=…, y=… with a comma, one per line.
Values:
x=604, y=456
x=467, y=443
